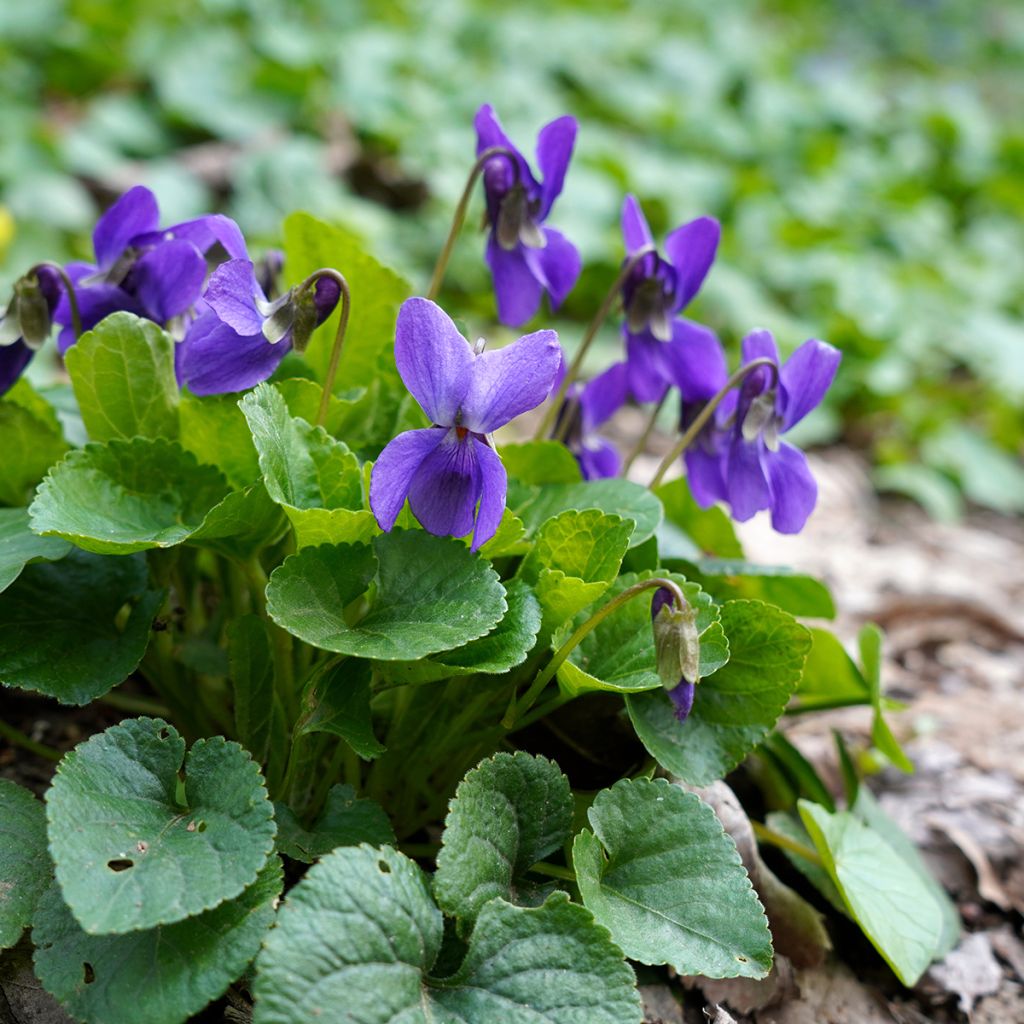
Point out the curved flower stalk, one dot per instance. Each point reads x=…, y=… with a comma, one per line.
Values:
x=585, y=409
x=526, y=257
x=655, y=291
x=25, y=323
x=450, y=473
x=142, y=268
x=240, y=338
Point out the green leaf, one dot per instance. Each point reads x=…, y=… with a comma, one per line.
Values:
x=540, y=462
x=885, y=895
x=830, y=674
x=870, y=641
x=346, y=820
x=790, y=826
x=310, y=244
x=126, y=496
x=214, y=429
x=336, y=700
x=372, y=909
x=19, y=545
x=618, y=654
x=509, y=812
x=61, y=632
x=799, y=774
x=623, y=498
x=130, y=852
x=735, y=708
x=31, y=441
x=506, y=646
x=251, y=667
x=791, y=591
x=432, y=595
x=241, y=524
x=160, y=976
x=661, y=874
x=123, y=375
x=25, y=868
x=708, y=529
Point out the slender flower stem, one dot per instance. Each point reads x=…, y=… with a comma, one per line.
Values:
x=553, y=871
x=641, y=445
x=574, y=367
x=19, y=739
x=76, y=318
x=768, y=835
x=521, y=706
x=460, y=212
x=828, y=705
x=339, y=336
x=707, y=412
x=136, y=705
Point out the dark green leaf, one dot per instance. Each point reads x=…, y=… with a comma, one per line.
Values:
x=25, y=868
x=19, y=545
x=346, y=820
x=251, y=666
x=336, y=700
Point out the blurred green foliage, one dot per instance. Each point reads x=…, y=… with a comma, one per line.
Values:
x=866, y=160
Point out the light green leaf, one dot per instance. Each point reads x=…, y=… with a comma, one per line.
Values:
x=346, y=820
x=790, y=826
x=885, y=895
x=540, y=462
x=618, y=654
x=536, y=505
x=132, y=851
x=735, y=708
x=373, y=911
x=214, y=429
x=830, y=673
x=241, y=524
x=510, y=538
x=336, y=700
x=123, y=375
x=19, y=545
x=377, y=293
x=25, y=868
x=870, y=641
x=432, y=595
x=506, y=646
x=709, y=530
x=31, y=441
x=160, y=976
x=126, y=496
x=60, y=625
x=662, y=875
x=509, y=812
x=791, y=591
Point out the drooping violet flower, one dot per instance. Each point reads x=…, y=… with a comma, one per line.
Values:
x=241, y=337
x=585, y=408
x=762, y=471
x=656, y=290
x=142, y=268
x=676, y=649
x=450, y=473
x=25, y=323
x=526, y=257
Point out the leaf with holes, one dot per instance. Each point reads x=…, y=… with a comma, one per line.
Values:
x=432, y=595
x=618, y=654
x=19, y=545
x=162, y=975
x=62, y=632
x=346, y=820
x=373, y=911
x=508, y=813
x=132, y=848
x=123, y=375
x=734, y=709
x=662, y=875
x=25, y=868
x=126, y=496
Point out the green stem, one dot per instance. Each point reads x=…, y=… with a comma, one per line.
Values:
x=459, y=217
x=641, y=445
x=281, y=640
x=520, y=707
x=690, y=435
x=339, y=335
x=540, y=712
x=551, y=412
x=136, y=705
x=828, y=705
x=768, y=835
x=19, y=739
x=553, y=871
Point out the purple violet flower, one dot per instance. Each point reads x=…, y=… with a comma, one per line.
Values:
x=241, y=337
x=26, y=322
x=526, y=257
x=450, y=473
x=656, y=291
x=141, y=268
x=587, y=407
x=761, y=471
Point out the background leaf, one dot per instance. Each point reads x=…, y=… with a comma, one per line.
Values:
x=346, y=820
x=336, y=700
x=19, y=545
x=31, y=440
x=25, y=867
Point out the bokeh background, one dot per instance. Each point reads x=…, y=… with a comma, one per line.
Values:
x=866, y=160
